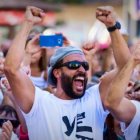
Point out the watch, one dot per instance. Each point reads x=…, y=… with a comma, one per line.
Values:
x=116, y=26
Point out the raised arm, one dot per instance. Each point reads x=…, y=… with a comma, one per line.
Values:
x=121, y=52
x=120, y=49
x=119, y=106
x=20, y=83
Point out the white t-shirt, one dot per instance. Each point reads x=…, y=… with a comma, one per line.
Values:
x=133, y=130
x=52, y=118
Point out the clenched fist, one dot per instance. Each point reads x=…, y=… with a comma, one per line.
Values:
x=106, y=15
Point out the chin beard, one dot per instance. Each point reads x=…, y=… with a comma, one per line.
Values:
x=66, y=83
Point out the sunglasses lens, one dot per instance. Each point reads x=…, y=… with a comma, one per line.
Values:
x=74, y=65
x=85, y=65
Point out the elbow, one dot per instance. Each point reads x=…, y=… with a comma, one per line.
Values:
x=110, y=104
x=107, y=105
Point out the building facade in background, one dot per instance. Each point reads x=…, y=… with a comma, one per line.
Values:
x=131, y=12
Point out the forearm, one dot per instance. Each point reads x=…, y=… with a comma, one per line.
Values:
x=17, y=50
x=120, y=48
x=119, y=85
x=107, y=16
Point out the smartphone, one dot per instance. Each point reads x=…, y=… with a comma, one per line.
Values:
x=51, y=40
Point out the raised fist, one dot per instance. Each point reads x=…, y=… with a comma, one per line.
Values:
x=34, y=14
x=106, y=15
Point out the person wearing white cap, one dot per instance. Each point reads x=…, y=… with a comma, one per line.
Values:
x=72, y=112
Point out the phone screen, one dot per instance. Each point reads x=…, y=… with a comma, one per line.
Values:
x=51, y=40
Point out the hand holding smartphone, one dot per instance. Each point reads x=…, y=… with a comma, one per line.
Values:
x=51, y=40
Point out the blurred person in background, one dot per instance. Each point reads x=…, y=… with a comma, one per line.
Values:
x=73, y=110
x=92, y=60
x=38, y=63
x=3, y=51
x=10, y=110
x=5, y=45
x=133, y=92
x=9, y=119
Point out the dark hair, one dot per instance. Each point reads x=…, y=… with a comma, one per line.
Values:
x=109, y=129
x=9, y=110
x=31, y=36
x=43, y=60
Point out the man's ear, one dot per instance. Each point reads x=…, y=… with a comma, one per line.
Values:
x=56, y=73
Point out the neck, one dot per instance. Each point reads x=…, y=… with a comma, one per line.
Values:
x=34, y=65
x=61, y=94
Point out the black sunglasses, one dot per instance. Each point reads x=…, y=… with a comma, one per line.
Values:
x=73, y=65
x=15, y=123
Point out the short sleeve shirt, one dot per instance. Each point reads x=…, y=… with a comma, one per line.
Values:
x=52, y=118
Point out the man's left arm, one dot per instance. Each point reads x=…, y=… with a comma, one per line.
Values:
x=119, y=46
x=120, y=107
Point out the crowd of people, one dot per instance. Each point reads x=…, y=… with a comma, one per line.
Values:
x=87, y=93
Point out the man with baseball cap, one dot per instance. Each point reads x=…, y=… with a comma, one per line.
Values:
x=72, y=112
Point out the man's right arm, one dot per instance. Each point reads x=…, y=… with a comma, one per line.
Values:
x=20, y=83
